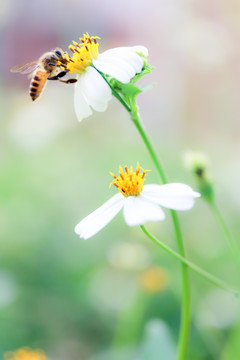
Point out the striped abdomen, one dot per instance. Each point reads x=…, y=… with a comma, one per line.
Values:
x=37, y=84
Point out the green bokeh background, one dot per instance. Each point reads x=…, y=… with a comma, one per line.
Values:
x=77, y=299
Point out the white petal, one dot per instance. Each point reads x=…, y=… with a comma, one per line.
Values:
x=96, y=91
x=122, y=51
x=122, y=63
x=99, y=218
x=175, y=196
x=82, y=108
x=126, y=55
x=138, y=211
x=111, y=68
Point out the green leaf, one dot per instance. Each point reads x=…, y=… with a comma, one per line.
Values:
x=127, y=90
x=130, y=89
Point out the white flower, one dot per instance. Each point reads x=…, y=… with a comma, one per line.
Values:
x=140, y=203
x=91, y=90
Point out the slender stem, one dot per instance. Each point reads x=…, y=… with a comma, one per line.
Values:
x=231, y=242
x=149, y=147
x=213, y=279
x=117, y=96
x=185, y=314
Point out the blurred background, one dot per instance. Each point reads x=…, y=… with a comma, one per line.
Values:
x=117, y=296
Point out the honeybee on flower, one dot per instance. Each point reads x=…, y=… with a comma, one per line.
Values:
x=50, y=66
x=92, y=90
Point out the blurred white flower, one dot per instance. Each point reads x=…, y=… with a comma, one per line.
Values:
x=34, y=125
x=140, y=203
x=91, y=90
x=129, y=256
x=111, y=289
x=8, y=288
x=211, y=314
x=157, y=339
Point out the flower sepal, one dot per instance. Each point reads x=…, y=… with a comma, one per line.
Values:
x=130, y=90
x=125, y=90
x=147, y=69
x=206, y=190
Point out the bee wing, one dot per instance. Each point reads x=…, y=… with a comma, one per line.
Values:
x=25, y=68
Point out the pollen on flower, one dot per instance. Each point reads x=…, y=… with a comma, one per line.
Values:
x=83, y=54
x=129, y=183
x=25, y=354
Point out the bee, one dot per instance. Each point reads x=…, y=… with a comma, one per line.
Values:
x=50, y=66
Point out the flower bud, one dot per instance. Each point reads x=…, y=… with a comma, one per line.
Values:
x=198, y=164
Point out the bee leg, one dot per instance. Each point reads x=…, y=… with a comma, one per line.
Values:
x=69, y=81
x=53, y=78
x=60, y=75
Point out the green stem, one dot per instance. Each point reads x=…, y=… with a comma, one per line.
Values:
x=136, y=120
x=231, y=242
x=194, y=267
x=132, y=109
x=185, y=314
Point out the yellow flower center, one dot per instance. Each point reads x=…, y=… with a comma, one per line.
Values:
x=129, y=183
x=25, y=354
x=83, y=54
